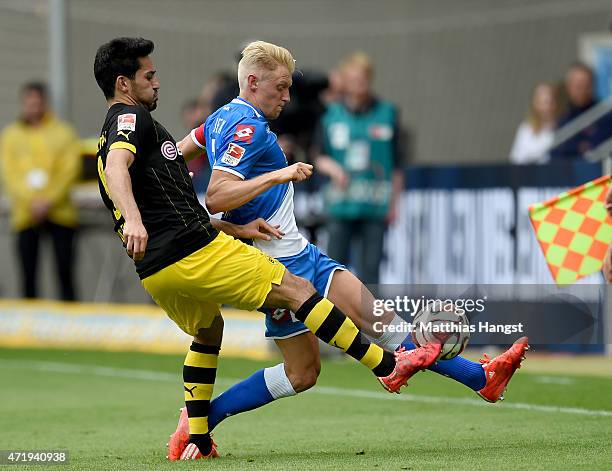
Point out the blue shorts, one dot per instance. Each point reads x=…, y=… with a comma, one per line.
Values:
x=316, y=267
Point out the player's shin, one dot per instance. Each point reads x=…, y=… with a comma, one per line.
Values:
x=329, y=324
x=199, y=373
x=259, y=389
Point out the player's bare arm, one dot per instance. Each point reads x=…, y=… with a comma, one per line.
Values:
x=227, y=191
x=120, y=189
x=257, y=229
x=189, y=149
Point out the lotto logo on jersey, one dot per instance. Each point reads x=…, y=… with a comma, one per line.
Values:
x=280, y=316
x=233, y=154
x=126, y=122
x=244, y=133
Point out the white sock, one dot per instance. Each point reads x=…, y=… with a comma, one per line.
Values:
x=277, y=382
x=392, y=338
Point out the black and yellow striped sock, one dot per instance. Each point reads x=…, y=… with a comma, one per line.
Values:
x=199, y=373
x=329, y=324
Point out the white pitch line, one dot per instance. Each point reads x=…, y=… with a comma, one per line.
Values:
x=148, y=375
x=562, y=380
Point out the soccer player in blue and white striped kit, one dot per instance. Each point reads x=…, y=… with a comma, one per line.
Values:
x=247, y=167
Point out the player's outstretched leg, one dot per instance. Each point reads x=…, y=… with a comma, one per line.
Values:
x=330, y=325
x=462, y=370
x=354, y=299
x=489, y=378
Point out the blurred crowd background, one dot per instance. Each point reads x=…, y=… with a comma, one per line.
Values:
x=488, y=89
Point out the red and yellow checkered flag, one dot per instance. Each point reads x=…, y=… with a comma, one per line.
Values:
x=574, y=230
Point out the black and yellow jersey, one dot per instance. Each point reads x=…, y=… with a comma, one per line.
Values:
x=175, y=221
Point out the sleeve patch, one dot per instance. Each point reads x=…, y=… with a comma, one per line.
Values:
x=233, y=154
x=244, y=133
x=126, y=122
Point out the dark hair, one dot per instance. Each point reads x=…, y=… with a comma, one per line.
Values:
x=578, y=65
x=119, y=57
x=35, y=86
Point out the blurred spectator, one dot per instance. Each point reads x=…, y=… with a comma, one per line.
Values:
x=40, y=161
x=535, y=135
x=192, y=113
x=335, y=87
x=217, y=91
x=358, y=147
x=580, y=96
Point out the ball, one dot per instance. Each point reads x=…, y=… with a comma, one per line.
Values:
x=440, y=323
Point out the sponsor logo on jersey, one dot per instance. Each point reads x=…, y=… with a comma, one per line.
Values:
x=169, y=150
x=381, y=132
x=125, y=134
x=280, y=316
x=244, y=133
x=126, y=122
x=233, y=154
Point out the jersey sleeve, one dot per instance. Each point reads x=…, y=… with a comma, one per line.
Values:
x=131, y=130
x=242, y=146
x=197, y=136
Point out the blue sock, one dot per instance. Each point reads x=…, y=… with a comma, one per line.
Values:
x=259, y=389
x=249, y=394
x=460, y=369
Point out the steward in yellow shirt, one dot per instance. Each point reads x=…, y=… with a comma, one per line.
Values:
x=39, y=164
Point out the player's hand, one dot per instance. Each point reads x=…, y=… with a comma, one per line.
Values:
x=297, y=172
x=607, y=266
x=609, y=201
x=135, y=237
x=259, y=229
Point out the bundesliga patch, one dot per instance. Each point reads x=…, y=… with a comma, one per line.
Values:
x=244, y=133
x=233, y=154
x=126, y=122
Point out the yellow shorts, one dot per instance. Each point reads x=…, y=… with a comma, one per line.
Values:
x=226, y=271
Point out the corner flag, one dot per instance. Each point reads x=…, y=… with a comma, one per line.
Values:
x=574, y=230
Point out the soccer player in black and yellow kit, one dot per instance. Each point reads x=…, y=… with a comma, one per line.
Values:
x=185, y=263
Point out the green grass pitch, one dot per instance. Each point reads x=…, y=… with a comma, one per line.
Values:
x=114, y=411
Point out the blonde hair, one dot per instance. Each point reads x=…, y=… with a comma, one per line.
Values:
x=260, y=55
x=533, y=118
x=360, y=60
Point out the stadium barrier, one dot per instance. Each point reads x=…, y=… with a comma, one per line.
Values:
x=119, y=327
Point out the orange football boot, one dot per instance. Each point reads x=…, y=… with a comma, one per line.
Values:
x=179, y=439
x=179, y=442
x=500, y=369
x=409, y=362
x=192, y=452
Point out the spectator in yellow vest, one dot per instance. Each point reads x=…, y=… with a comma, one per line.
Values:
x=40, y=162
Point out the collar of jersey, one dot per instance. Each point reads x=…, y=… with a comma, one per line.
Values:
x=242, y=101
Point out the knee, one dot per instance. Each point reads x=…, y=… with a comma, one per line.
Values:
x=303, y=287
x=304, y=378
x=299, y=291
x=212, y=335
